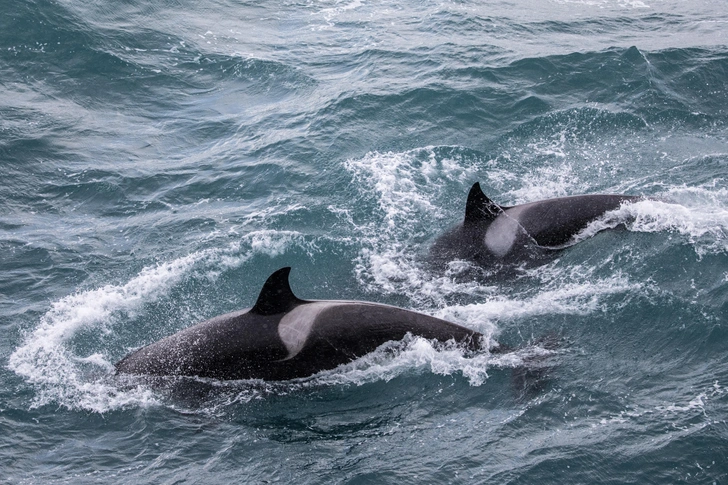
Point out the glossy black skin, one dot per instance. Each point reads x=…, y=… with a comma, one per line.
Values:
x=246, y=344
x=230, y=346
x=553, y=223
x=543, y=227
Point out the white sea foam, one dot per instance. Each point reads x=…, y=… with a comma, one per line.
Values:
x=697, y=214
x=416, y=354
x=45, y=358
x=545, y=183
x=405, y=186
x=577, y=297
x=406, y=183
x=413, y=354
x=697, y=403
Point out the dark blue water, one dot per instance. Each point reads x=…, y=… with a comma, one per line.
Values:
x=160, y=159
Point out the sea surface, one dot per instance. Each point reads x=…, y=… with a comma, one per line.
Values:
x=159, y=159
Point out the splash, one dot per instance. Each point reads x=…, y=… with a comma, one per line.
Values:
x=413, y=354
x=545, y=183
x=697, y=214
x=406, y=183
x=404, y=186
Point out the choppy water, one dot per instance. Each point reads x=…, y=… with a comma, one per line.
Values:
x=160, y=159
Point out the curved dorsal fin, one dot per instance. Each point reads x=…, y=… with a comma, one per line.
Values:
x=479, y=208
x=276, y=295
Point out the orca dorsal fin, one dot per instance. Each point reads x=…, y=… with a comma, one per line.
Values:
x=276, y=295
x=479, y=208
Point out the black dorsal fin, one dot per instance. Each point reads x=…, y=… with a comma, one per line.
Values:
x=276, y=295
x=479, y=207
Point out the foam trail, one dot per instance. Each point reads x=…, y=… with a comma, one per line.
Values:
x=574, y=298
x=416, y=354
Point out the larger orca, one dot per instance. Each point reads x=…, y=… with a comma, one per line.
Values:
x=284, y=337
x=491, y=233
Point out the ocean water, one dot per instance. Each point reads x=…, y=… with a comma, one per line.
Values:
x=160, y=159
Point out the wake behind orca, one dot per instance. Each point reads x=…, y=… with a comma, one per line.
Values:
x=493, y=234
x=283, y=337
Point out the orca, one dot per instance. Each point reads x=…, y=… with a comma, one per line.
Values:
x=283, y=337
x=493, y=234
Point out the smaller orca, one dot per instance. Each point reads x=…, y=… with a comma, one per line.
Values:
x=284, y=337
x=492, y=234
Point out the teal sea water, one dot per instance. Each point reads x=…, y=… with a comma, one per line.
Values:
x=160, y=159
